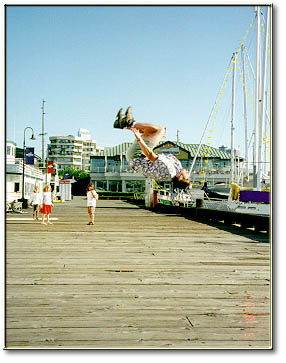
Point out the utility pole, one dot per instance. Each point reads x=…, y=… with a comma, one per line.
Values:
x=178, y=135
x=43, y=138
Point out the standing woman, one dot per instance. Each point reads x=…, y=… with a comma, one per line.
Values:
x=92, y=197
x=47, y=204
x=36, y=202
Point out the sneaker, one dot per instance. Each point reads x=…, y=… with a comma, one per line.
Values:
x=128, y=117
x=123, y=122
x=119, y=118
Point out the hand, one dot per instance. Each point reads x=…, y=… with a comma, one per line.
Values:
x=136, y=132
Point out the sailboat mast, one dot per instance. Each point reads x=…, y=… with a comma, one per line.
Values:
x=265, y=148
x=263, y=103
x=256, y=179
x=233, y=117
x=245, y=113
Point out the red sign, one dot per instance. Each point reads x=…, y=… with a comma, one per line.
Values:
x=65, y=182
x=50, y=167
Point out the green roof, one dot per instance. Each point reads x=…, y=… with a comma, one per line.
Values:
x=205, y=149
x=115, y=150
x=190, y=148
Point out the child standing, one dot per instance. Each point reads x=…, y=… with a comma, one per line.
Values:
x=92, y=197
x=36, y=202
x=47, y=204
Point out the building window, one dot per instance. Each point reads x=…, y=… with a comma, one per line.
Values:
x=135, y=186
x=115, y=186
x=16, y=187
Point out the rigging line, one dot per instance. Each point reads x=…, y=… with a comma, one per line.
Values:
x=200, y=144
x=254, y=78
x=250, y=139
x=250, y=35
x=268, y=119
x=250, y=39
x=253, y=73
x=225, y=119
x=262, y=16
x=259, y=162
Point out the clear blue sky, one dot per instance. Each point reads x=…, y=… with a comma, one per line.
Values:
x=167, y=62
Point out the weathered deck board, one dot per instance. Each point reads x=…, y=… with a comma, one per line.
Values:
x=136, y=279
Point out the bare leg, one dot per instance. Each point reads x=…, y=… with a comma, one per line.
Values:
x=43, y=219
x=37, y=213
x=91, y=216
x=48, y=219
x=150, y=131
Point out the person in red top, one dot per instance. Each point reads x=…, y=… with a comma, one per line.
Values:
x=47, y=204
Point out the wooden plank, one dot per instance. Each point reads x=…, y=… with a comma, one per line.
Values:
x=121, y=319
x=142, y=344
x=128, y=284
x=114, y=334
x=129, y=290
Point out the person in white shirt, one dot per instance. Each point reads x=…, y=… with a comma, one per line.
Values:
x=47, y=204
x=36, y=202
x=92, y=197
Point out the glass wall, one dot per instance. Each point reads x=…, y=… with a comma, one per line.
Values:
x=135, y=186
x=97, y=165
x=115, y=186
x=101, y=184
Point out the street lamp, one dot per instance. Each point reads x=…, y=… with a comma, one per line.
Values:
x=24, y=155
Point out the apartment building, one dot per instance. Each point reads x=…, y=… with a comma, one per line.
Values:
x=72, y=151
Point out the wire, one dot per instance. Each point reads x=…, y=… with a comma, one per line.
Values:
x=211, y=114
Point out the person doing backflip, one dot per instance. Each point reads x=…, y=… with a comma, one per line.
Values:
x=143, y=159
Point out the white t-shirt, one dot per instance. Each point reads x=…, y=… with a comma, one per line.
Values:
x=92, y=196
x=37, y=199
x=47, y=198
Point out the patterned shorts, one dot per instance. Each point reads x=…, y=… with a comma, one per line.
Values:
x=91, y=210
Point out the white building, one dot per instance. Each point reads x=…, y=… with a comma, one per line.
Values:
x=14, y=175
x=72, y=151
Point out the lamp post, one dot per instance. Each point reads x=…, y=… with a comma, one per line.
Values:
x=24, y=155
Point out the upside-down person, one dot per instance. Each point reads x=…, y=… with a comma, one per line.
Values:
x=143, y=159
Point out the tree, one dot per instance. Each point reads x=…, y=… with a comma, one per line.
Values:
x=74, y=173
x=82, y=179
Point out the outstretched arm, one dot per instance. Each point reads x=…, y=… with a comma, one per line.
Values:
x=149, y=153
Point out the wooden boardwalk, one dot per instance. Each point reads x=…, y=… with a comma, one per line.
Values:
x=136, y=279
